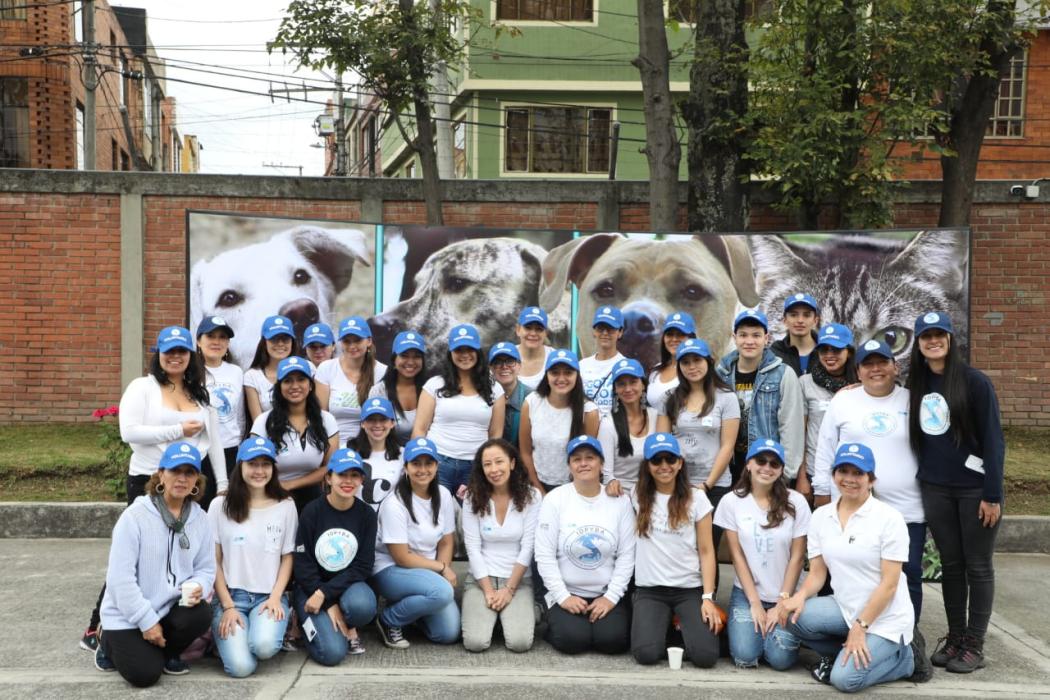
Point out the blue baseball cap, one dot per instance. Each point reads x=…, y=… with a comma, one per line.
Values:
x=661, y=442
x=562, y=357
x=855, y=454
x=210, y=323
x=628, y=368
x=608, y=315
x=693, y=346
x=256, y=447
x=873, y=347
x=180, y=454
x=377, y=406
x=766, y=445
x=933, y=319
x=274, y=326
x=680, y=321
x=464, y=336
x=835, y=335
x=420, y=447
x=533, y=314
x=584, y=441
x=803, y=299
x=753, y=315
x=346, y=460
x=174, y=337
x=503, y=349
x=409, y=340
x=318, y=333
x=354, y=325
x=293, y=364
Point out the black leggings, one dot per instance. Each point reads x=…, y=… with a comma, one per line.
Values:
x=653, y=606
x=210, y=486
x=141, y=663
x=966, y=547
x=135, y=486
x=575, y=634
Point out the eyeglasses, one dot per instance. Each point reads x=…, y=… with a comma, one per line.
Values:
x=664, y=458
x=500, y=362
x=766, y=461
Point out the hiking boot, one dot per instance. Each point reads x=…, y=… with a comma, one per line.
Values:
x=392, y=636
x=948, y=648
x=970, y=656
x=89, y=642
x=176, y=667
x=923, y=670
x=822, y=671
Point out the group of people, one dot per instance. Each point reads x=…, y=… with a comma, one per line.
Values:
x=298, y=495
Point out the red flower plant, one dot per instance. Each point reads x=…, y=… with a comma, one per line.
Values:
x=100, y=413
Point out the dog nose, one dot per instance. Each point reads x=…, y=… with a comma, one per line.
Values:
x=641, y=336
x=385, y=328
x=640, y=323
x=303, y=313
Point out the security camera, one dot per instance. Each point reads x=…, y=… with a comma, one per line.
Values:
x=1017, y=190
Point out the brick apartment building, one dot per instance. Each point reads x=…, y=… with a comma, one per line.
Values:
x=42, y=95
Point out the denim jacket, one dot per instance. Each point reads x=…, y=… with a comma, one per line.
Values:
x=776, y=409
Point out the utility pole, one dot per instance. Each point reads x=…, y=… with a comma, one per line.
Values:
x=90, y=82
x=442, y=112
x=340, y=130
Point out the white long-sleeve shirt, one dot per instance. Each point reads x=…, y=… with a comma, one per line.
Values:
x=494, y=549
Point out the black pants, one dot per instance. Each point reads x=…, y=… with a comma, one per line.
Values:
x=210, y=487
x=966, y=547
x=575, y=634
x=135, y=486
x=141, y=663
x=305, y=494
x=715, y=495
x=653, y=606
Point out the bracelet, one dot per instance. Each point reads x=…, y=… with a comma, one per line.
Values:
x=707, y=596
x=443, y=566
x=232, y=607
x=783, y=595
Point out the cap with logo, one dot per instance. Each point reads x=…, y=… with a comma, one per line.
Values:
x=355, y=326
x=464, y=336
x=504, y=349
x=174, y=337
x=751, y=316
x=420, y=447
x=628, y=368
x=584, y=441
x=801, y=299
x=766, y=445
x=933, y=319
x=211, y=323
x=318, y=333
x=873, y=347
x=855, y=454
x=274, y=326
x=377, y=406
x=661, y=442
x=608, y=316
x=346, y=460
x=835, y=335
x=562, y=357
x=533, y=314
x=180, y=454
x=692, y=346
x=680, y=321
x=293, y=364
x=409, y=340
x=256, y=447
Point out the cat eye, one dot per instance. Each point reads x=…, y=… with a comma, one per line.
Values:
x=896, y=337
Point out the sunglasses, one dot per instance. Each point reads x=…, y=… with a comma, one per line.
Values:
x=664, y=458
x=766, y=461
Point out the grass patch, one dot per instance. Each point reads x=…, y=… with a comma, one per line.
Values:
x=50, y=449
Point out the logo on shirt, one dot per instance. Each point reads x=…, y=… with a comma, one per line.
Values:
x=584, y=546
x=335, y=549
x=934, y=415
x=879, y=423
x=221, y=400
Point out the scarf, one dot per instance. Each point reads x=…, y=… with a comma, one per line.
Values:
x=175, y=525
x=824, y=380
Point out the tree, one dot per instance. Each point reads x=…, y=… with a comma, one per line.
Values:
x=391, y=45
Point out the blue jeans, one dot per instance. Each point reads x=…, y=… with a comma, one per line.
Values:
x=746, y=646
x=329, y=646
x=419, y=595
x=452, y=472
x=821, y=628
x=913, y=567
x=260, y=638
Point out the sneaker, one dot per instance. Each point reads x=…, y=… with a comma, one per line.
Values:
x=822, y=671
x=970, y=657
x=89, y=642
x=356, y=647
x=176, y=667
x=923, y=670
x=948, y=647
x=392, y=636
x=102, y=662
x=289, y=644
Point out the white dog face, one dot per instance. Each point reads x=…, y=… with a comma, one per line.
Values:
x=296, y=273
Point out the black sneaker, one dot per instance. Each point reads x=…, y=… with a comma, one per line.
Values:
x=923, y=670
x=89, y=642
x=948, y=648
x=176, y=667
x=102, y=662
x=970, y=657
x=392, y=636
x=822, y=671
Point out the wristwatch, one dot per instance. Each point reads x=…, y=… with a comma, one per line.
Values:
x=707, y=596
x=863, y=624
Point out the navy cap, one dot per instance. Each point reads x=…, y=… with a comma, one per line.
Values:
x=533, y=314
x=464, y=336
x=504, y=349
x=766, y=445
x=419, y=447
x=933, y=319
x=318, y=333
x=692, y=346
x=835, y=335
x=855, y=454
x=753, y=315
x=562, y=357
x=409, y=340
x=377, y=406
x=628, y=368
x=180, y=454
x=354, y=325
x=584, y=441
x=293, y=364
x=256, y=447
x=174, y=337
x=346, y=460
x=873, y=347
x=801, y=299
x=210, y=323
x=680, y=321
x=274, y=326
x=608, y=315
x=661, y=442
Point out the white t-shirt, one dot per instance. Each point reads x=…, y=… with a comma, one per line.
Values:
x=585, y=546
x=343, y=402
x=461, y=423
x=494, y=549
x=294, y=458
x=815, y=400
x=854, y=558
x=597, y=380
x=767, y=550
x=533, y=380
x=656, y=393
x=623, y=469
x=881, y=423
x=550, y=436
x=385, y=473
x=252, y=550
x=226, y=389
x=402, y=425
x=256, y=379
x=669, y=557
x=422, y=536
x=701, y=437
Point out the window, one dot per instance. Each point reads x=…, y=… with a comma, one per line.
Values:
x=125, y=161
x=13, y=9
x=14, y=123
x=78, y=21
x=80, y=137
x=557, y=140
x=546, y=10
x=459, y=149
x=371, y=142
x=410, y=169
x=176, y=149
x=114, y=150
x=1008, y=119
x=685, y=10
x=147, y=108
x=122, y=79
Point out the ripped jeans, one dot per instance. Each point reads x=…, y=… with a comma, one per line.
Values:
x=746, y=646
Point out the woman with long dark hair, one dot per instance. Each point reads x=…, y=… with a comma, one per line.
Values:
x=380, y=448
x=678, y=327
x=622, y=433
x=344, y=382
x=766, y=524
x=225, y=383
x=278, y=342
x=957, y=437
x=499, y=527
x=402, y=383
x=674, y=561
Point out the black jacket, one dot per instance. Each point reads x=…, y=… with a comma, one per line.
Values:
x=789, y=354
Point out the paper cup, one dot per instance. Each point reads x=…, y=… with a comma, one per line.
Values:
x=674, y=657
x=187, y=590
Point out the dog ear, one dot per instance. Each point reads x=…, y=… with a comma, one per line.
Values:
x=570, y=262
x=197, y=273
x=332, y=251
x=773, y=259
x=732, y=252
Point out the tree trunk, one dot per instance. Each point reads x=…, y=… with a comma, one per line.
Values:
x=718, y=187
x=661, y=137
x=423, y=144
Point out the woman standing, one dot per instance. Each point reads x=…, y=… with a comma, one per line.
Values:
x=499, y=528
x=381, y=450
x=766, y=525
x=161, y=543
x=344, y=383
x=664, y=378
x=225, y=383
x=585, y=548
x=675, y=559
x=622, y=433
x=413, y=568
x=532, y=345
x=551, y=415
x=402, y=383
x=305, y=435
x=956, y=434
x=254, y=526
x=505, y=361
x=319, y=343
x=460, y=408
x=278, y=342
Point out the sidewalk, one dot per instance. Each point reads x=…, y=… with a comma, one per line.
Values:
x=49, y=587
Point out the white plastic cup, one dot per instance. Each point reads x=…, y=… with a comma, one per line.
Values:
x=674, y=657
x=187, y=591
